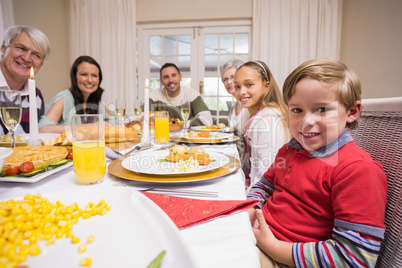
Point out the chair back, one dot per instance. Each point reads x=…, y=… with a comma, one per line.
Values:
x=380, y=133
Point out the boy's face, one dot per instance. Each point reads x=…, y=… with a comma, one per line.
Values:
x=316, y=118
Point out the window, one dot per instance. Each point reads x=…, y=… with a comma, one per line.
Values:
x=198, y=51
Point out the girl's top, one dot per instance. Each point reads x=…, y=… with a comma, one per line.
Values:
x=263, y=135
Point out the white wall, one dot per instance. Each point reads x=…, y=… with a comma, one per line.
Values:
x=371, y=35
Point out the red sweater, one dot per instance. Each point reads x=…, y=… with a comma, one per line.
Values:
x=310, y=193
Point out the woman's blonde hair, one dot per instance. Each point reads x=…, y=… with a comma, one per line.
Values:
x=335, y=73
x=272, y=96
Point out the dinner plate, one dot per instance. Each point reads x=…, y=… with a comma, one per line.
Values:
x=205, y=129
x=115, y=168
x=42, y=136
x=154, y=163
x=215, y=138
x=131, y=234
x=35, y=178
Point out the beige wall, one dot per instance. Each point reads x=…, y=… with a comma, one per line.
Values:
x=189, y=10
x=371, y=35
x=371, y=45
x=50, y=16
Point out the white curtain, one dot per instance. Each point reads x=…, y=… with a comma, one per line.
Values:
x=289, y=32
x=6, y=15
x=106, y=31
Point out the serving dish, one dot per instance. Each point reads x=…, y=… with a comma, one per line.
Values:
x=131, y=234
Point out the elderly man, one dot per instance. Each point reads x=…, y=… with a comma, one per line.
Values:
x=23, y=47
x=171, y=97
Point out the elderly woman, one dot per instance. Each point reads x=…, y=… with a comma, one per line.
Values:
x=227, y=75
x=83, y=97
x=237, y=116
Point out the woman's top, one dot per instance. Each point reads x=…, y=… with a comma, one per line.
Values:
x=263, y=135
x=69, y=110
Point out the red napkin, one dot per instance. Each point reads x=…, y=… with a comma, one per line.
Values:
x=186, y=212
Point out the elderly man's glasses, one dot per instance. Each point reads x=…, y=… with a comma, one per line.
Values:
x=226, y=79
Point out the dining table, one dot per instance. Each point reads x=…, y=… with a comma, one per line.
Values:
x=135, y=230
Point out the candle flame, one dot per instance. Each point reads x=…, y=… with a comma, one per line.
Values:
x=146, y=83
x=32, y=73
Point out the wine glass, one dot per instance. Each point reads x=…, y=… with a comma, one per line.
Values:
x=185, y=109
x=121, y=110
x=10, y=111
x=138, y=110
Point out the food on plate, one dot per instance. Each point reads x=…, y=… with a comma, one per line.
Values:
x=209, y=127
x=137, y=128
x=7, y=138
x=196, y=150
x=120, y=134
x=41, y=220
x=112, y=134
x=184, y=165
x=26, y=167
x=11, y=171
x=40, y=156
x=192, y=134
x=178, y=150
x=203, y=134
x=221, y=126
x=197, y=153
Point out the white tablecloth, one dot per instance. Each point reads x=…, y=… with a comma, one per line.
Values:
x=223, y=242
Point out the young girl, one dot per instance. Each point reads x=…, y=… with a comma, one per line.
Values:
x=266, y=130
x=323, y=200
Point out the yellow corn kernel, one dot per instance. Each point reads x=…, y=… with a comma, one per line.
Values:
x=24, y=222
x=75, y=239
x=90, y=239
x=35, y=250
x=82, y=248
x=86, y=262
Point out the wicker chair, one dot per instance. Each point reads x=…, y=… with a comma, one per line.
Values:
x=380, y=134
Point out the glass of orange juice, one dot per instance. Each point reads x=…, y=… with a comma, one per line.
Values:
x=161, y=127
x=89, y=159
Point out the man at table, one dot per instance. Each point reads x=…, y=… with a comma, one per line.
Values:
x=171, y=97
x=22, y=47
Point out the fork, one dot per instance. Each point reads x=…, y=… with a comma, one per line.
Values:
x=175, y=192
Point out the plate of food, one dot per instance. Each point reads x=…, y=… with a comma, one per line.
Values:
x=5, y=140
x=178, y=160
x=132, y=232
x=210, y=128
x=33, y=163
x=204, y=137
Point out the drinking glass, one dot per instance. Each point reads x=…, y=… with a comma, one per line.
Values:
x=88, y=148
x=185, y=109
x=121, y=110
x=138, y=110
x=161, y=126
x=10, y=111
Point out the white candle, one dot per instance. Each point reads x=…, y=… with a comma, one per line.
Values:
x=145, y=133
x=33, y=112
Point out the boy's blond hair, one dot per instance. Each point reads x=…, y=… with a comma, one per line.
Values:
x=343, y=81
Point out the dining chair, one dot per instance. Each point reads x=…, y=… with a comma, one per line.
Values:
x=380, y=133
